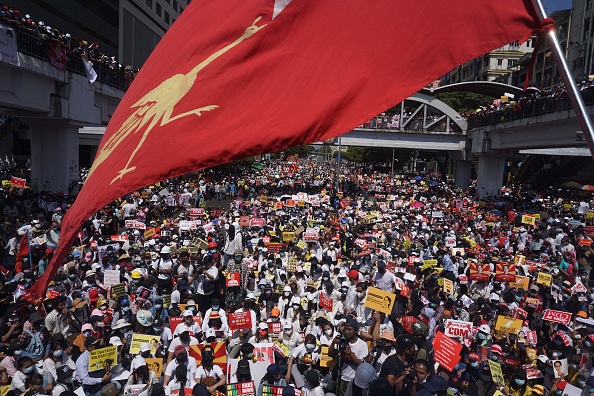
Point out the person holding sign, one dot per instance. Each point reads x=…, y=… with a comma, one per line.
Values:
x=90, y=385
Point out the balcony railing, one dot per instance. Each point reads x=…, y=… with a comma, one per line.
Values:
x=38, y=48
x=530, y=109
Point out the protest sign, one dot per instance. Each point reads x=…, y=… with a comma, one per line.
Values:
x=110, y=278
x=380, y=300
x=531, y=337
x=219, y=353
x=528, y=219
x=139, y=339
x=288, y=236
x=458, y=328
x=479, y=271
x=103, y=357
x=274, y=328
x=544, y=279
x=118, y=290
x=149, y=233
x=496, y=372
x=508, y=324
x=521, y=282
x=560, y=368
x=276, y=390
x=446, y=351
x=448, y=286
x=505, y=272
x=241, y=389
x=326, y=301
x=325, y=359
x=557, y=316
x=292, y=264
x=155, y=364
x=240, y=320
x=134, y=389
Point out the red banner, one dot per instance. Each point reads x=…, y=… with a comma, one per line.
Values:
x=257, y=222
x=57, y=55
x=240, y=320
x=447, y=351
x=275, y=327
x=505, y=272
x=200, y=85
x=18, y=182
x=326, y=301
x=479, y=271
x=557, y=316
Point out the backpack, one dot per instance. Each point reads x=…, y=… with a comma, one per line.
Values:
x=35, y=348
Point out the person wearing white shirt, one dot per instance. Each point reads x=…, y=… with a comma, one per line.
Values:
x=185, y=340
x=216, y=307
x=181, y=358
x=383, y=279
x=298, y=362
x=188, y=324
x=163, y=266
x=355, y=353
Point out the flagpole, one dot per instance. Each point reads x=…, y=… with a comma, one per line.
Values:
x=574, y=94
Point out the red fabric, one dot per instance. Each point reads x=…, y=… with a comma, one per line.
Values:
x=317, y=70
x=23, y=249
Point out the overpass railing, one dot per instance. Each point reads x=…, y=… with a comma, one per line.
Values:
x=530, y=109
x=36, y=47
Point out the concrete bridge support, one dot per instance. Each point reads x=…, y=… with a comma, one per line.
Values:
x=463, y=174
x=490, y=174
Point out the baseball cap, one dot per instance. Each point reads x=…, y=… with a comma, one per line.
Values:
x=352, y=323
x=179, y=349
x=364, y=375
x=353, y=274
x=145, y=347
x=115, y=341
x=243, y=367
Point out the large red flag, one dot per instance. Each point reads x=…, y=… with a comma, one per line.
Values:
x=238, y=78
x=23, y=250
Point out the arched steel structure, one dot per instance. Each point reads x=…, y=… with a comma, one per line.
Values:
x=489, y=88
x=419, y=113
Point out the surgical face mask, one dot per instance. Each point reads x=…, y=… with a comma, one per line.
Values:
x=18, y=352
x=103, y=308
x=287, y=294
x=126, y=308
x=100, y=324
x=157, y=329
x=481, y=336
x=87, y=333
x=328, y=332
x=588, y=343
x=325, y=278
x=250, y=355
x=28, y=370
x=310, y=347
x=158, y=306
x=191, y=308
x=494, y=358
x=288, y=331
x=263, y=333
x=474, y=364
x=360, y=294
x=519, y=382
x=58, y=353
x=72, y=276
x=215, y=307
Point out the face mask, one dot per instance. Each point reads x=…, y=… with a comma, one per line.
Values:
x=458, y=309
x=215, y=307
x=250, y=356
x=325, y=278
x=590, y=390
x=581, y=383
x=73, y=276
x=310, y=347
x=28, y=370
x=191, y=308
x=360, y=294
x=494, y=358
x=126, y=308
x=481, y=336
x=287, y=294
x=58, y=353
x=263, y=333
x=588, y=343
x=474, y=364
x=158, y=306
x=87, y=333
x=328, y=332
x=520, y=382
x=18, y=352
x=288, y=331
x=137, y=281
x=103, y=308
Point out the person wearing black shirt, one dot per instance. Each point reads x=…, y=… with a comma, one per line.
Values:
x=396, y=367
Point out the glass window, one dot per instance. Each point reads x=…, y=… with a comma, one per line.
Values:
x=166, y=17
x=174, y=5
x=149, y=3
x=499, y=62
x=158, y=9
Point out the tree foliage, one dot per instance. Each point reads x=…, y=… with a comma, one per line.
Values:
x=464, y=102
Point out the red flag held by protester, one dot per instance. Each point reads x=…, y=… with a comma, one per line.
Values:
x=235, y=79
x=23, y=250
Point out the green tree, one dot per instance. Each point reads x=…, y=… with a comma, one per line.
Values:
x=464, y=102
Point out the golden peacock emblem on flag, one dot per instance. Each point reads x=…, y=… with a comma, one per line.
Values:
x=156, y=108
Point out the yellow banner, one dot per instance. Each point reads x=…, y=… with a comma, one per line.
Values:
x=301, y=245
x=496, y=372
x=521, y=282
x=325, y=359
x=508, y=324
x=288, y=236
x=428, y=264
x=100, y=358
x=139, y=339
x=380, y=300
x=544, y=279
x=528, y=220
x=6, y=184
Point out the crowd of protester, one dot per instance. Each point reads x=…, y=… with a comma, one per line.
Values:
x=76, y=46
x=279, y=288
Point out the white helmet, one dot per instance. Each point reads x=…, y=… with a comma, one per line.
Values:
x=165, y=250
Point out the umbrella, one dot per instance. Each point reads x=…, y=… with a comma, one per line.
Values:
x=417, y=204
x=418, y=177
x=570, y=184
x=496, y=212
x=587, y=187
x=434, y=182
